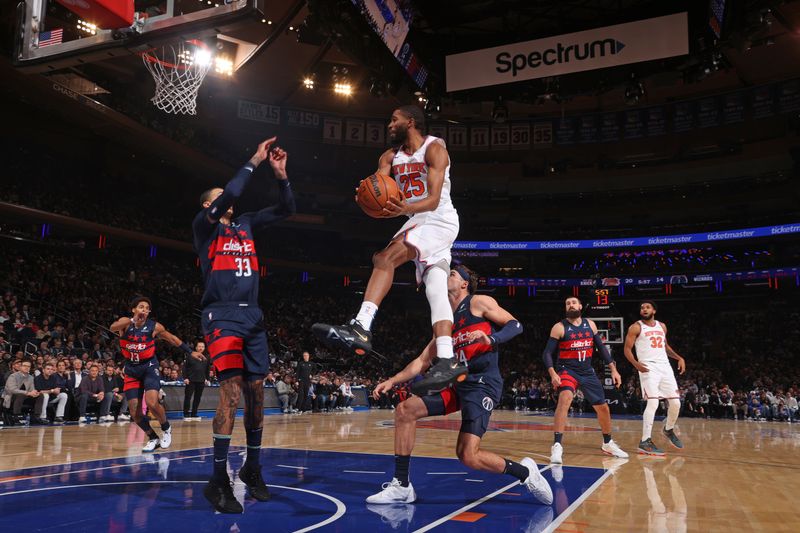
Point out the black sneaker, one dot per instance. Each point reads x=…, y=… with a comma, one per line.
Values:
x=351, y=337
x=255, y=483
x=220, y=495
x=673, y=438
x=58, y=420
x=36, y=421
x=440, y=375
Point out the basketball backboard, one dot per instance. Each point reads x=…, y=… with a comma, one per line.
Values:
x=57, y=34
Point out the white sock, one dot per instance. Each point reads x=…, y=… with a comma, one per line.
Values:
x=648, y=417
x=444, y=347
x=366, y=314
x=673, y=411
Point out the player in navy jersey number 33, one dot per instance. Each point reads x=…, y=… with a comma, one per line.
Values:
x=232, y=320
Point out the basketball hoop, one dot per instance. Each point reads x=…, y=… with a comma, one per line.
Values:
x=178, y=71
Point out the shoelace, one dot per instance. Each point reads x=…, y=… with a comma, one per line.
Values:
x=391, y=483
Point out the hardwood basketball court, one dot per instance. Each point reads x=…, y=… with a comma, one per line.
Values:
x=732, y=475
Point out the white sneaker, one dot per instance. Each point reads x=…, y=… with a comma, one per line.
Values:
x=555, y=453
x=150, y=445
x=166, y=439
x=107, y=418
x=124, y=418
x=611, y=448
x=188, y=418
x=81, y=420
x=394, y=492
x=536, y=483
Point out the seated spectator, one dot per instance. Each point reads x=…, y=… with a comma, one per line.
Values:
x=113, y=385
x=346, y=395
x=20, y=390
x=47, y=383
x=92, y=391
x=286, y=395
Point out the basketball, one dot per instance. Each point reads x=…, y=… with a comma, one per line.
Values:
x=374, y=193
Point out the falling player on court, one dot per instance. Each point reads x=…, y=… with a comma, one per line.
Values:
x=421, y=167
x=481, y=325
x=137, y=342
x=232, y=321
x=649, y=337
x=576, y=338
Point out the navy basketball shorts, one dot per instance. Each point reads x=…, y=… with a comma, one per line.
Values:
x=476, y=404
x=140, y=377
x=588, y=382
x=236, y=341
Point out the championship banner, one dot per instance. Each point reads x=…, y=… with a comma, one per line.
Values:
x=621, y=44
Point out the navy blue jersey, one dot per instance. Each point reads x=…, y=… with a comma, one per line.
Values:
x=482, y=359
x=229, y=262
x=576, y=347
x=138, y=344
x=227, y=254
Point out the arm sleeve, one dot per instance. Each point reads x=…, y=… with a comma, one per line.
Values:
x=284, y=208
x=206, y=219
x=508, y=332
x=549, y=351
x=603, y=349
x=233, y=190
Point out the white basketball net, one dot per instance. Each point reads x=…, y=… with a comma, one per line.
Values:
x=178, y=72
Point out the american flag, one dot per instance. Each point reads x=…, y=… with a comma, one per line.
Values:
x=46, y=38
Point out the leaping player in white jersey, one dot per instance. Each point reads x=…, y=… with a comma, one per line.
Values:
x=649, y=337
x=420, y=165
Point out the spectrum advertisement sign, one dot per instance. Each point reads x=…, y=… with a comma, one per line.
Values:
x=622, y=44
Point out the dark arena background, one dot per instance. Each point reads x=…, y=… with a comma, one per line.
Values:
x=613, y=151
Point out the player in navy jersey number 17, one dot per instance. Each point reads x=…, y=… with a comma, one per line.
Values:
x=481, y=325
x=137, y=342
x=576, y=338
x=232, y=321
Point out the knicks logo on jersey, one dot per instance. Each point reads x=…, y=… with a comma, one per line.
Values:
x=409, y=168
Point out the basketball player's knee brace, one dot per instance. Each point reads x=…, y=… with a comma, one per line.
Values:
x=435, y=279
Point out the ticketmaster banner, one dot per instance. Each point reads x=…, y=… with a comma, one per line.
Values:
x=578, y=244
x=622, y=44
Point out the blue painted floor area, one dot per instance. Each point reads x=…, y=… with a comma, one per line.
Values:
x=311, y=490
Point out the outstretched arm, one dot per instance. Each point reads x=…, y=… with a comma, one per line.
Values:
x=488, y=308
x=234, y=189
x=419, y=365
x=162, y=333
x=121, y=325
x=286, y=205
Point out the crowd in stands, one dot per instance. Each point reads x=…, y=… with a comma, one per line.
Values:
x=56, y=304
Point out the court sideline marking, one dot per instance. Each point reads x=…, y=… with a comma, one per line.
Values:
x=574, y=505
x=473, y=504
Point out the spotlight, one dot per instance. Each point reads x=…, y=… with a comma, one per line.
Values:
x=343, y=88
x=87, y=27
x=308, y=82
x=433, y=107
x=223, y=65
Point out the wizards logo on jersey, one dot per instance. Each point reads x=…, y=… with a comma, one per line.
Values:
x=467, y=348
x=138, y=344
x=577, y=343
x=233, y=249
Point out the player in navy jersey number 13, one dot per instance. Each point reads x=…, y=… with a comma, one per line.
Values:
x=137, y=342
x=576, y=338
x=232, y=321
